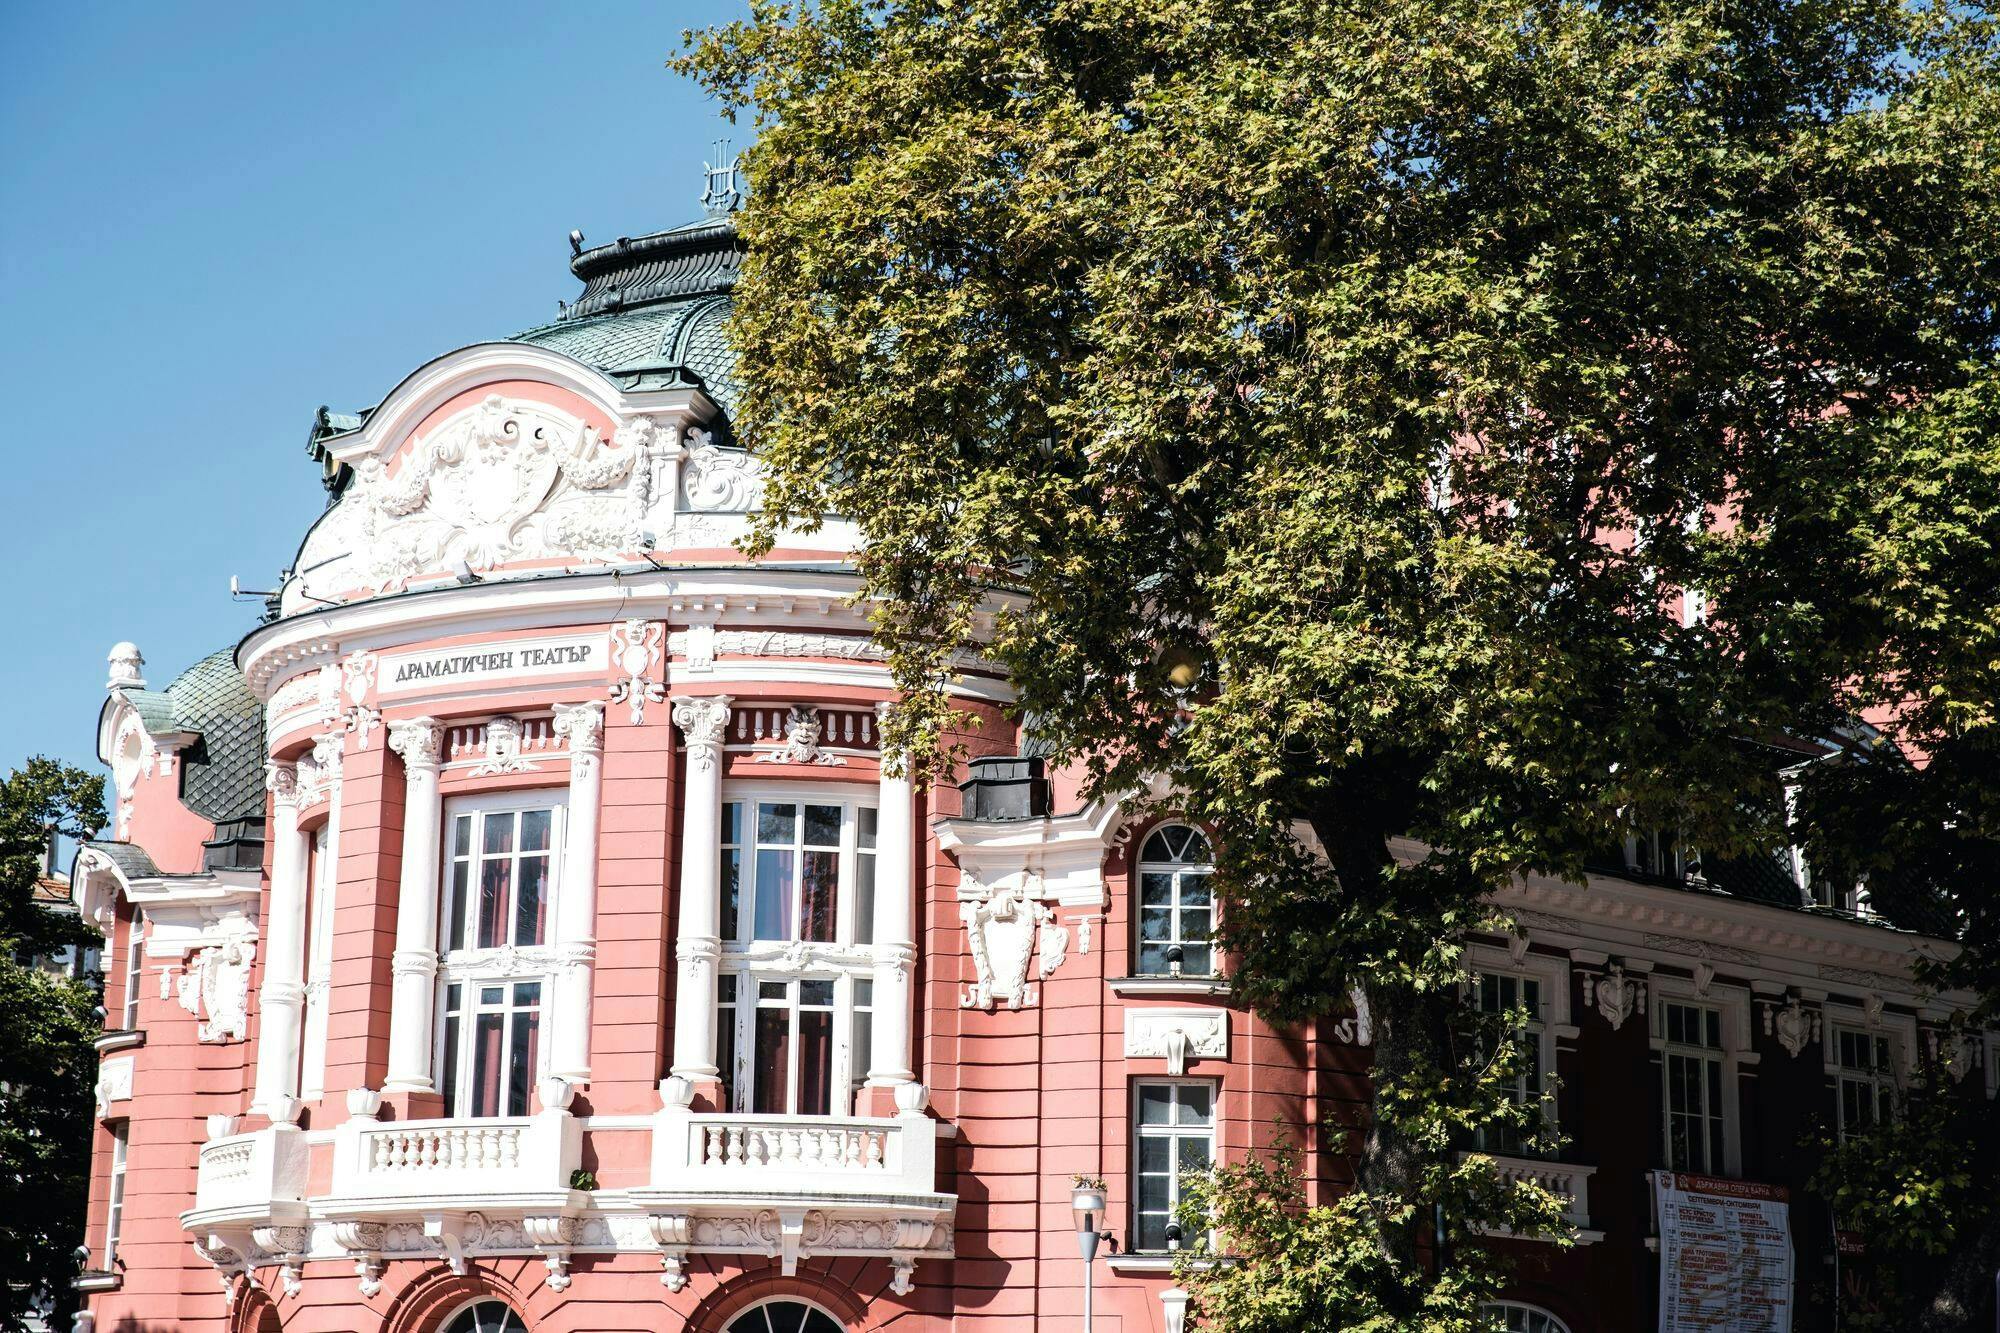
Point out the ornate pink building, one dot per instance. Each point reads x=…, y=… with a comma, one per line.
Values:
x=518, y=930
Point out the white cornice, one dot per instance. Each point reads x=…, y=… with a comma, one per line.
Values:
x=436, y=382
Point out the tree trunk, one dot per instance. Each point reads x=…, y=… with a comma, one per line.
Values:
x=1411, y=1031
x=1964, y=1298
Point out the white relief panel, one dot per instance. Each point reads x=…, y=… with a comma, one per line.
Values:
x=1177, y=1036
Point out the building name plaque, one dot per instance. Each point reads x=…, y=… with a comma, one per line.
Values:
x=479, y=663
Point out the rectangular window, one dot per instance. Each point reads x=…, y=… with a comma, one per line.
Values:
x=1693, y=1077
x=1864, y=1079
x=792, y=1061
x=861, y=1039
x=114, y=1212
x=864, y=876
x=491, y=1047
x=725, y=1035
x=319, y=967
x=1173, y=1133
x=1501, y=993
x=501, y=875
x=135, y=969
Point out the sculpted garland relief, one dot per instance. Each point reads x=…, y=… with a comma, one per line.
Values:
x=510, y=480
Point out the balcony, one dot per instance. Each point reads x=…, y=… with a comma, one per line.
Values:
x=1566, y=1180
x=782, y=1187
x=249, y=1177
x=401, y=1166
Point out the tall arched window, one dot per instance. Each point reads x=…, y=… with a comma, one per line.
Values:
x=1176, y=911
x=1519, y=1318
x=784, y=1317
x=486, y=1317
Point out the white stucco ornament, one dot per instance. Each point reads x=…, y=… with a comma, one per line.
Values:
x=216, y=989
x=1794, y=1025
x=1006, y=927
x=803, y=731
x=1618, y=996
x=1178, y=1036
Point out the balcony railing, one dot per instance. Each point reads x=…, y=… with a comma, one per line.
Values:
x=465, y=1158
x=1566, y=1180
x=708, y=1153
x=251, y=1172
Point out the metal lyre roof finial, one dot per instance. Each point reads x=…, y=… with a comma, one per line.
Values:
x=722, y=195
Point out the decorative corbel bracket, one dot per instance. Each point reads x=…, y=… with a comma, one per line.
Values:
x=673, y=1233
x=554, y=1237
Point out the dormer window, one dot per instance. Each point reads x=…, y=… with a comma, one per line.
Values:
x=1176, y=910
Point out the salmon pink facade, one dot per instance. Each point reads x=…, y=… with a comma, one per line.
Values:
x=521, y=929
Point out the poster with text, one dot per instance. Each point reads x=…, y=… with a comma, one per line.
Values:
x=1725, y=1255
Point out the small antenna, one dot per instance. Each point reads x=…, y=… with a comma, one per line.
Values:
x=239, y=592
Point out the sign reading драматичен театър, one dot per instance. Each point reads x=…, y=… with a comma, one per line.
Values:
x=481, y=663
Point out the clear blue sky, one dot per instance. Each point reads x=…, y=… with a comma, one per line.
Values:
x=215, y=217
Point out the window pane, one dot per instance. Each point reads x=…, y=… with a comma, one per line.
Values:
x=822, y=826
x=461, y=840
x=1194, y=1101
x=785, y=1316
x=461, y=872
x=816, y=993
x=1156, y=923
x=732, y=823
x=1154, y=1155
x=774, y=895
x=535, y=830
x=815, y=1062
x=864, y=827
x=499, y=832
x=1194, y=890
x=493, y=877
x=819, y=891
x=521, y=1060
x=732, y=891
x=1193, y=1153
x=1156, y=890
x=773, y=1061
x=447, y=1077
x=1197, y=959
x=864, y=898
x=488, y=1066
x=531, y=900
x=777, y=823
x=1155, y=1104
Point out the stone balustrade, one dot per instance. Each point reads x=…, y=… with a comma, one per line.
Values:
x=251, y=1175
x=1566, y=1180
x=823, y=1156
x=463, y=1159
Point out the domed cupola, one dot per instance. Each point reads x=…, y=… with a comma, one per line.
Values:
x=653, y=307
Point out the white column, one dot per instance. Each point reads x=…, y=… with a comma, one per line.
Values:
x=328, y=757
x=895, y=933
x=414, y=964
x=582, y=726
x=697, y=945
x=281, y=1001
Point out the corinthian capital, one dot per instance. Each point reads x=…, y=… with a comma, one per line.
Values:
x=581, y=726
x=702, y=721
x=419, y=740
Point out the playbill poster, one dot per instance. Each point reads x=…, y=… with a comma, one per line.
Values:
x=1725, y=1255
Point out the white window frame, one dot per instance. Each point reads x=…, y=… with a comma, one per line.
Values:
x=1881, y=1079
x=1732, y=1004
x=1529, y=1314
x=847, y=960
x=504, y=964
x=1179, y=870
x=1900, y=1029
x=1554, y=1023
x=114, y=1198
x=324, y=858
x=135, y=970
x=1173, y=1133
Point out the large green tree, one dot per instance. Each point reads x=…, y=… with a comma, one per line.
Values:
x=48, y=1065
x=1332, y=399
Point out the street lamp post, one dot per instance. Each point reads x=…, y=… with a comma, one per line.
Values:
x=1087, y=1202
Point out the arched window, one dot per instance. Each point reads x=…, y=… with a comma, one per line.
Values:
x=486, y=1317
x=1176, y=912
x=784, y=1317
x=1519, y=1318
